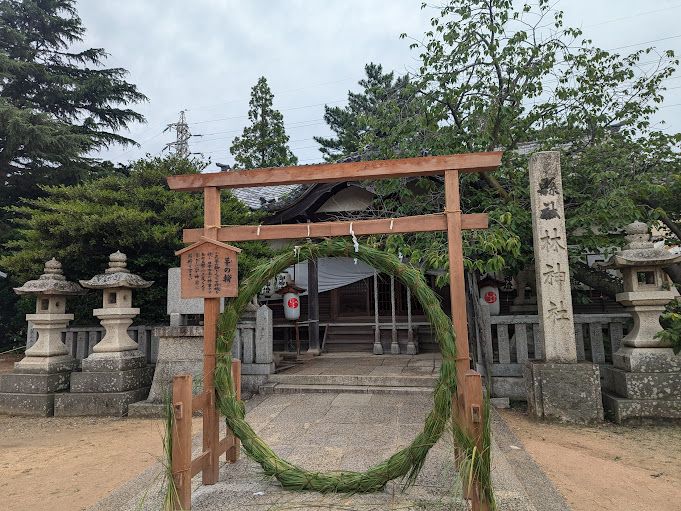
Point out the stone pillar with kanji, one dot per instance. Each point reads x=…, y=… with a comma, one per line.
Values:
x=559, y=386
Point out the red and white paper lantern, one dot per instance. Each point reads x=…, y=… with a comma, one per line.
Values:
x=491, y=296
x=292, y=306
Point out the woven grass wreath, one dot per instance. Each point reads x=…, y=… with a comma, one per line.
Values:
x=404, y=463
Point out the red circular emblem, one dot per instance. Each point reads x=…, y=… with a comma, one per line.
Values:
x=490, y=297
x=292, y=303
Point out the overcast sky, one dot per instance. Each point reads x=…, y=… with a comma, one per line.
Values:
x=205, y=55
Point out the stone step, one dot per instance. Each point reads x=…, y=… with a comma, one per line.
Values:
x=354, y=379
x=634, y=411
x=30, y=405
x=111, y=381
x=34, y=383
x=103, y=404
x=285, y=388
x=642, y=385
x=348, y=348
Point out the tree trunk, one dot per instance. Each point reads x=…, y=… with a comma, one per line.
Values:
x=674, y=272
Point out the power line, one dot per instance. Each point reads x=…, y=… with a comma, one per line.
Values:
x=281, y=110
x=633, y=16
x=645, y=42
x=288, y=127
x=285, y=91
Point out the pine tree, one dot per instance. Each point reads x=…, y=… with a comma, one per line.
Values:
x=264, y=143
x=56, y=105
x=353, y=124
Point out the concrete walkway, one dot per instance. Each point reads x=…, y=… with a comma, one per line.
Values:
x=332, y=431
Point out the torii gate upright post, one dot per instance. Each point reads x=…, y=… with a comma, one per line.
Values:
x=467, y=405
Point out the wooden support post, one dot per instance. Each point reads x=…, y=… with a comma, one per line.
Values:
x=378, y=346
x=313, y=305
x=457, y=284
x=297, y=330
x=467, y=407
x=394, y=345
x=235, y=445
x=211, y=310
x=411, y=345
x=182, y=441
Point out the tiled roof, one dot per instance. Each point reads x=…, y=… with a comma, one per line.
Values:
x=259, y=198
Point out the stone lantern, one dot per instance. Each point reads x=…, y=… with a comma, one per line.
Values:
x=646, y=378
x=45, y=369
x=115, y=374
x=117, y=312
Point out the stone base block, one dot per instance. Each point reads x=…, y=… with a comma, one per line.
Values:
x=146, y=409
x=119, y=361
x=564, y=392
x=180, y=351
x=46, y=365
x=647, y=360
x=636, y=411
x=31, y=405
x=97, y=403
x=257, y=369
x=509, y=388
x=253, y=382
x=163, y=377
x=111, y=381
x=16, y=383
x=500, y=402
x=642, y=385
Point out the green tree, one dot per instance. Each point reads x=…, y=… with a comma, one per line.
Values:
x=137, y=214
x=496, y=77
x=352, y=123
x=264, y=143
x=56, y=105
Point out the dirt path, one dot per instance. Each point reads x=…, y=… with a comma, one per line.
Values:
x=65, y=464
x=608, y=467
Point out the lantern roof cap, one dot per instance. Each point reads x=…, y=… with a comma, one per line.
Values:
x=291, y=287
x=640, y=250
x=207, y=240
x=116, y=275
x=51, y=282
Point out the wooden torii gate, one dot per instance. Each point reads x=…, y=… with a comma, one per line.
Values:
x=467, y=405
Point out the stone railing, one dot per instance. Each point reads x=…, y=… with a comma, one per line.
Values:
x=81, y=339
x=252, y=343
x=507, y=342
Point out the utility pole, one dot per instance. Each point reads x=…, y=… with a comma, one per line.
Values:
x=181, y=144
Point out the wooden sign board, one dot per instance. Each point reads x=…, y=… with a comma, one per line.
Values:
x=208, y=269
